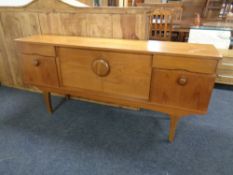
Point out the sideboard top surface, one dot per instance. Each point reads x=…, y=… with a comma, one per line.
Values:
x=135, y=46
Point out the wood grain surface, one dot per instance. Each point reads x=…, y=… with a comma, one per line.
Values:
x=129, y=74
x=159, y=47
x=57, y=18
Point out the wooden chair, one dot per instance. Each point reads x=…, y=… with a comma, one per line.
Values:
x=160, y=25
x=227, y=10
x=213, y=8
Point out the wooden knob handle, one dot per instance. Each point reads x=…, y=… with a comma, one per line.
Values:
x=182, y=81
x=100, y=67
x=36, y=62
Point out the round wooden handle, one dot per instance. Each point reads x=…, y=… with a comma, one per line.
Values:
x=182, y=81
x=100, y=67
x=35, y=62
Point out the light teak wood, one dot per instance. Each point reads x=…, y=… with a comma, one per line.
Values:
x=127, y=74
x=189, y=64
x=202, y=51
x=56, y=17
x=37, y=49
x=140, y=74
x=182, y=89
x=39, y=70
x=100, y=67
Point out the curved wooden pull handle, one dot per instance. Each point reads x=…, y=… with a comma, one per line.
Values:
x=35, y=62
x=182, y=81
x=100, y=67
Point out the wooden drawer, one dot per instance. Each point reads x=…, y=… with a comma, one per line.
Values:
x=225, y=76
x=39, y=70
x=181, y=89
x=226, y=63
x=226, y=72
x=225, y=79
x=127, y=75
x=45, y=50
x=182, y=63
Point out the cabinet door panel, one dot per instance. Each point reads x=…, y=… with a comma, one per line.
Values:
x=181, y=89
x=122, y=74
x=39, y=70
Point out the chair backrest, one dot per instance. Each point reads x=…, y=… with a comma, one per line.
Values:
x=160, y=25
x=175, y=7
x=213, y=8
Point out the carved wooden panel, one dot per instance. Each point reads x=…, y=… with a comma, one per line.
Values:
x=130, y=26
x=63, y=24
x=99, y=25
x=15, y=25
x=5, y=72
x=55, y=17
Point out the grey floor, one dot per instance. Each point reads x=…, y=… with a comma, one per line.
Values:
x=82, y=138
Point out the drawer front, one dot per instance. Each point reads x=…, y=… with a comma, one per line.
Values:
x=225, y=79
x=226, y=63
x=45, y=50
x=225, y=72
x=225, y=76
x=189, y=64
x=181, y=89
x=122, y=74
x=39, y=70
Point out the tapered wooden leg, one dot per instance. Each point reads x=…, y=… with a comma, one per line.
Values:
x=47, y=99
x=173, y=123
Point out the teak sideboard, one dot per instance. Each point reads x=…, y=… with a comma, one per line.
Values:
x=173, y=78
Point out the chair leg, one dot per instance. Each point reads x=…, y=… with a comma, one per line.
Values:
x=173, y=124
x=47, y=99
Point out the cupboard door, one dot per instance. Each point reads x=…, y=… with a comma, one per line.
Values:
x=39, y=70
x=181, y=89
x=121, y=74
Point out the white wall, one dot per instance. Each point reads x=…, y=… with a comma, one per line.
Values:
x=20, y=3
x=14, y=3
